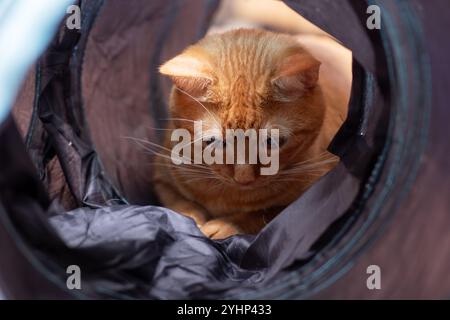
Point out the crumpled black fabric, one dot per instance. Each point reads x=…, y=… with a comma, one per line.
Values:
x=165, y=250
x=153, y=252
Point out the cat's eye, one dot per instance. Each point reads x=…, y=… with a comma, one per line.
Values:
x=214, y=140
x=210, y=140
x=272, y=143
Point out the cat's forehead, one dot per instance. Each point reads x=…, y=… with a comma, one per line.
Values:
x=243, y=62
x=241, y=90
x=242, y=54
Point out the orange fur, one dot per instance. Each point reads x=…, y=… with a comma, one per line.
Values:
x=248, y=79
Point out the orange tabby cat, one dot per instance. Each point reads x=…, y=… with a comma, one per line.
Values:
x=247, y=79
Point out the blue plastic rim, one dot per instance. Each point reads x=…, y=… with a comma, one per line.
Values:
x=26, y=28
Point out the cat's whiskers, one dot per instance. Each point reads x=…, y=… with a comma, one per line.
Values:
x=183, y=165
x=158, y=129
x=301, y=171
x=142, y=142
x=187, y=170
x=198, y=139
x=313, y=169
x=179, y=119
x=189, y=180
x=322, y=156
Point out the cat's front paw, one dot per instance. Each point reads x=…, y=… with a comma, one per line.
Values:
x=219, y=229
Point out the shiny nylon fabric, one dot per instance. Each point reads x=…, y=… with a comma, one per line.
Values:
x=148, y=251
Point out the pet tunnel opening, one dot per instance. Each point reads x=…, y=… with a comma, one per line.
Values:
x=102, y=220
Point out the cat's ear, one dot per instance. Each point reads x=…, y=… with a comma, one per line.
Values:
x=296, y=74
x=188, y=73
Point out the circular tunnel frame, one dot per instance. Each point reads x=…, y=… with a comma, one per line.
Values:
x=392, y=174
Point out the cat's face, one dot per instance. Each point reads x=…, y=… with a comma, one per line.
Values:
x=249, y=79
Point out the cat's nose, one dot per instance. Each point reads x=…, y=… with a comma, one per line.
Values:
x=244, y=174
